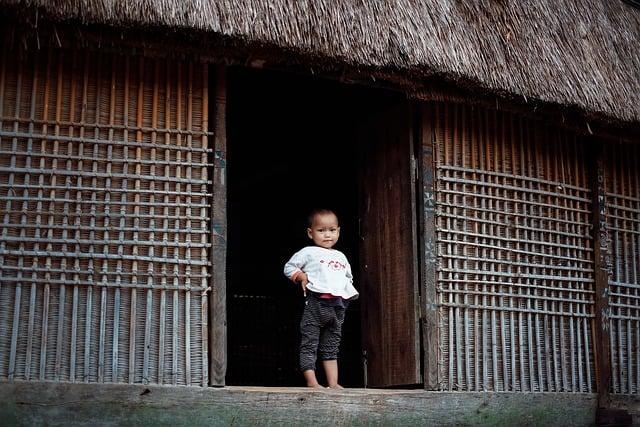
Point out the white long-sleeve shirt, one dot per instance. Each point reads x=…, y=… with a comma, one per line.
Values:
x=328, y=271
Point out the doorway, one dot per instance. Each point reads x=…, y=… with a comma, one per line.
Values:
x=292, y=146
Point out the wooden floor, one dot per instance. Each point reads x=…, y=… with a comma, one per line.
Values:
x=34, y=403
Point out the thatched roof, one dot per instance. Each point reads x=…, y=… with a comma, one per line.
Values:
x=580, y=53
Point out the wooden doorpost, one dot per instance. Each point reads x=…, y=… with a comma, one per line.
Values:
x=428, y=250
x=218, y=295
x=603, y=269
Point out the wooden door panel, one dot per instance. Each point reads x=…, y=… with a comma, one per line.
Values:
x=390, y=319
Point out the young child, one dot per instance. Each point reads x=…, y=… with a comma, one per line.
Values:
x=327, y=284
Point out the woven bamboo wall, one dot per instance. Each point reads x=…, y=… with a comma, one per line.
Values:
x=103, y=217
x=515, y=281
x=622, y=183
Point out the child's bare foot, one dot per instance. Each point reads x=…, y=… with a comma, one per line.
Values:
x=310, y=378
x=336, y=386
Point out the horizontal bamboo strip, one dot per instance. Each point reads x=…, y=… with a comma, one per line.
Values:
x=181, y=230
x=524, y=252
x=516, y=309
x=108, y=126
x=105, y=189
x=624, y=230
x=516, y=189
x=624, y=284
x=80, y=271
x=86, y=174
x=514, y=284
x=103, y=256
x=528, y=179
x=555, y=220
x=627, y=296
x=97, y=215
x=172, y=243
x=97, y=141
x=611, y=196
x=518, y=296
x=506, y=222
x=98, y=159
x=529, y=202
x=100, y=202
x=613, y=208
x=507, y=251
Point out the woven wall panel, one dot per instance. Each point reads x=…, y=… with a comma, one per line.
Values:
x=103, y=217
x=622, y=178
x=515, y=279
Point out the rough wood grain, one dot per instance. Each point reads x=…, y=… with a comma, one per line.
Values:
x=82, y=404
x=428, y=252
x=603, y=268
x=218, y=295
x=387, y=250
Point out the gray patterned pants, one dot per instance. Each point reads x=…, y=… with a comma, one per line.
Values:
x=320, y=330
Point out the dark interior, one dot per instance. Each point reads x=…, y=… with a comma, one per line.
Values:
x=291, y=148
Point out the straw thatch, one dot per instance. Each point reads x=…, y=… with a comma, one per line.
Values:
x=581, y=53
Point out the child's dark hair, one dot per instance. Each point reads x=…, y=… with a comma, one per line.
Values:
x=319, y=211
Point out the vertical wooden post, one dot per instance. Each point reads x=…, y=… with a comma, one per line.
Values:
x=218, y=295
x=603, y=268
x=428, y=251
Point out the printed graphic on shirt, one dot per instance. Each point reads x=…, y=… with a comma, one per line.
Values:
x=336, y=265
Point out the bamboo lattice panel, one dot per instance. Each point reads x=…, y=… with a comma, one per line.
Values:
x=103, y=217
x=515, y=278
x=622, y=180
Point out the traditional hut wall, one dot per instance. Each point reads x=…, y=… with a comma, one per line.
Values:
x=515, y=270
x=622, y=206
x=514, y=301
x=104, y=263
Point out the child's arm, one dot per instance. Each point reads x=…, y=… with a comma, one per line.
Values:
x=293, y=269
x=348, y=273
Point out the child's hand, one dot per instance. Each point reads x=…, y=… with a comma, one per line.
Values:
x=304, y=280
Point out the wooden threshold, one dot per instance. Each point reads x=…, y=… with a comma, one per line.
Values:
x=83, y=404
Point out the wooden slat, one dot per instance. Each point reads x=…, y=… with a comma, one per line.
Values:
x=428, y=254
x=218, y=296
x=603, y=268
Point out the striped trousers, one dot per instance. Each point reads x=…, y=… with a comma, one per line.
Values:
x=320, y=331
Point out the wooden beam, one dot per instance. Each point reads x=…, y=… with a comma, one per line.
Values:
x=603, y=269
x=35, y=403
x=428, y=249
x=218, y=295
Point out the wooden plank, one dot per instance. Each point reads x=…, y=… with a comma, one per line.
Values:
x=391, y=333
x=218, y=296
x=62, y=404
x=603, y=268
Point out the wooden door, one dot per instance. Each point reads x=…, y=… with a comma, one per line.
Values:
x=388, y=247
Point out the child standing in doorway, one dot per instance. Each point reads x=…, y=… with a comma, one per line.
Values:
x=324, y=275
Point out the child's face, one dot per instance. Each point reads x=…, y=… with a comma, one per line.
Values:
x=324, y=231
